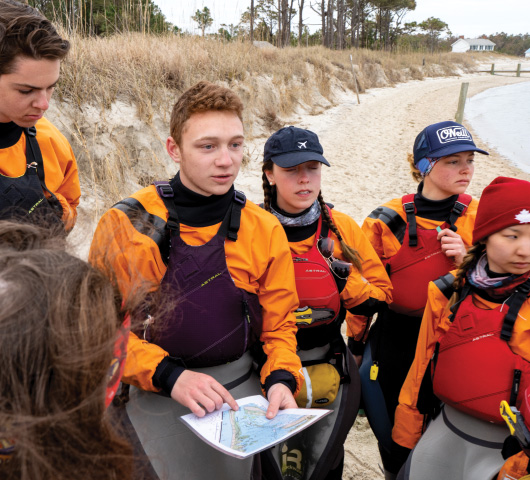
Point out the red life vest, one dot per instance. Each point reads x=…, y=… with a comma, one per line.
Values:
x=475, y=368
x=419, y=260
x=317, y=289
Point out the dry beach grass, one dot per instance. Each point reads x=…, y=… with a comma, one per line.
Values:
x=111, y=84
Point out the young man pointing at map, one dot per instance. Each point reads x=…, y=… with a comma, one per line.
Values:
x=221, y=276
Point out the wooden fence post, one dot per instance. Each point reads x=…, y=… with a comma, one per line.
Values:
x=493, y=69
x=461, y=102
x=518, y=74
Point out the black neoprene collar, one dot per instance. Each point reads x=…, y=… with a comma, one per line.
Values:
x=433, y=209
x=197, y=210
x=10, y=134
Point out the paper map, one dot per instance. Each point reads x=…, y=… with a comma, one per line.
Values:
x=247, y=431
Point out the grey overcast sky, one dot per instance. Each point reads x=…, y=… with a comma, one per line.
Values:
x=470, y=18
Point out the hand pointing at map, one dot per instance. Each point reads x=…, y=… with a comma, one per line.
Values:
x=280, y=397
x=202, y=393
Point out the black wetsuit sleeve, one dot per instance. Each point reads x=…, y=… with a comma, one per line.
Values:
x=398, y=455
x=356, y=347
x=280, y=376
x=367, y=308
x=167, y=374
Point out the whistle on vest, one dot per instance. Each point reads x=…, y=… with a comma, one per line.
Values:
x=146, y=324
x=515, y=422
x=308, y=316
x=374, y=371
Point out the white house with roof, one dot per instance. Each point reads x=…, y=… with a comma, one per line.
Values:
x=473, y=44
x=527, y=53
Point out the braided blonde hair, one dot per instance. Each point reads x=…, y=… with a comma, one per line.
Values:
x=416, y=174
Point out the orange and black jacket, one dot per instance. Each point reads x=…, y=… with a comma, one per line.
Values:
x=60, y=167
x=409, y=422
x=259, y=262
x=364, y=290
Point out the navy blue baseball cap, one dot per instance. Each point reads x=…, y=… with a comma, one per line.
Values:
x=442, y=139
x=291, y=146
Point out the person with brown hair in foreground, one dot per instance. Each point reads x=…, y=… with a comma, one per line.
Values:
x=62, y=343
x=38, y=170
x=222, y=280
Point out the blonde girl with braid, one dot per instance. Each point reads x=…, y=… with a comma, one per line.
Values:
x=418, y=237
x=473, y=354
x=337, y=271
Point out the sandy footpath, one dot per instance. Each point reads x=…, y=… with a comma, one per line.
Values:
x=367, y=145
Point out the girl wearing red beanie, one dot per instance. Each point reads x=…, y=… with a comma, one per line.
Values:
x=473, y=350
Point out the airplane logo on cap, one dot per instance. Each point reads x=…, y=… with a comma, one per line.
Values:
x=302, y=144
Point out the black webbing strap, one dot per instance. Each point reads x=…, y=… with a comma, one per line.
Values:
x=516, y=301
x=410, y=210
x=392, y=220
x=445, y=284
x=146, y=223
x=166, y=193
x=516, y=383
x=34, y=155
x=460, y=206
x=232, y=220
x=463, y=294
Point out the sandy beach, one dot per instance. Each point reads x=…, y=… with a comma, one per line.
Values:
x=367, y=145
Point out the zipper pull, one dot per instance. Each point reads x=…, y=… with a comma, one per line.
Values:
x=374, y=371
x=246, y=311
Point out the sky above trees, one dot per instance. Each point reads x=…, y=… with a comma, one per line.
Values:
x=470, y=18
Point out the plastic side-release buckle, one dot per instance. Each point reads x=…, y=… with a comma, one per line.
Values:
x=31, y=131
x=459, y=207
x=409, y=207
x=239, y=197
x=164, y=189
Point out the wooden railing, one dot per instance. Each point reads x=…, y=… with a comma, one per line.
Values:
x=517, y=72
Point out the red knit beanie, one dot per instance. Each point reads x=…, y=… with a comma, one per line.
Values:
x=504, y=202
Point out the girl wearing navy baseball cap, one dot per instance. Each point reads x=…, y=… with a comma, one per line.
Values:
x=418, y=237
x=337, y=271
x=474, y=350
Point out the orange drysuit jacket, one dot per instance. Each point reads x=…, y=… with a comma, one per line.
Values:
x=60, y=167
x=409, y=422
x=387, y=245
x=373, y=282
x=259, y=262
